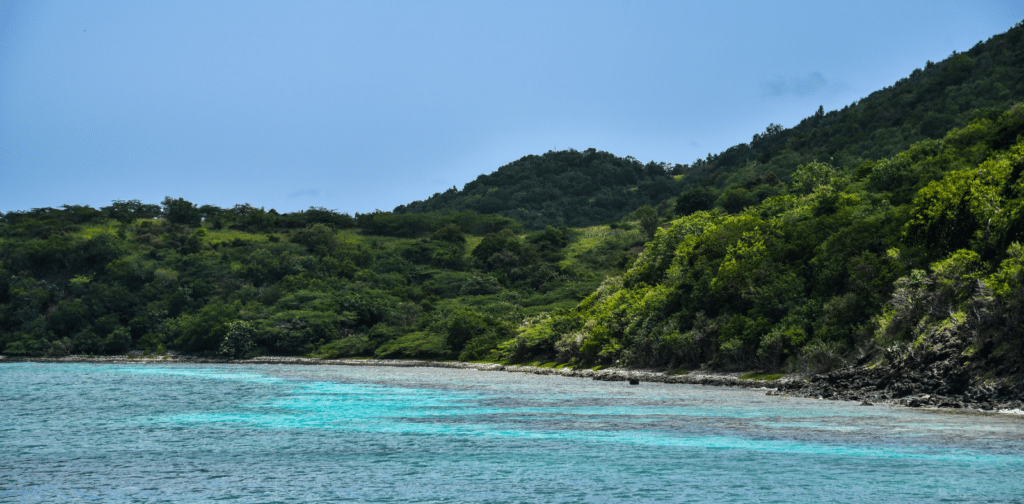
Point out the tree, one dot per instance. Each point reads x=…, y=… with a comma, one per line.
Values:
x=812, y=175
x=127, y=212
x=735, y=199
x=648, y=220
x=495, y=243
x=653, y=169
x=320, y=239
x=180, y=211
x=461, y=326
x=260, y=219
x=239, y=340
x=209, y=211
x=451, y=233
x=695, y=200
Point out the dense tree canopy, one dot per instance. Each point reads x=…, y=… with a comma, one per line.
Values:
x=830, y=270
x=564, y=188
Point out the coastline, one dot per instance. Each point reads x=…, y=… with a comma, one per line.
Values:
x=608, y=374
x=788, y=385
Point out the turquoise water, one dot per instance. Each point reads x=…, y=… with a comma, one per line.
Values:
x=170, y=433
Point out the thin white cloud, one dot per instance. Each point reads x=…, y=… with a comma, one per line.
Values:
x=813, y=83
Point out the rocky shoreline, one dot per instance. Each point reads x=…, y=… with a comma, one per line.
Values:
x=888, y=385
x=868, y=386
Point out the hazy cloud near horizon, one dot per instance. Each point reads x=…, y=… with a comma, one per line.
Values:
x=812, y=83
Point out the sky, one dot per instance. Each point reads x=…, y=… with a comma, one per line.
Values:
x=357, y=106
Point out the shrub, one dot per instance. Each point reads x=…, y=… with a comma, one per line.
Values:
x=414, y=345
x=734, y=200
x=695, y=200
x=239, y=340
x=821, y=356
x=351, y=346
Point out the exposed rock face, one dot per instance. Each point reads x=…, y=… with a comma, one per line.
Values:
x=939, y=375
x=883, y=384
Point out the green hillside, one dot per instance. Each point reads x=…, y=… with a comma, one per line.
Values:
x=245, y=281
x=874, y=236
x=563, y=188
x=834, y=270
x=571, y=188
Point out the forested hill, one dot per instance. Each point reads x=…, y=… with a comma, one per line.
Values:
x=833, y=271
x=574, y=188
x=563, y=188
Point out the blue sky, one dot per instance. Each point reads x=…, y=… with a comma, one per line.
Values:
x=357, y=106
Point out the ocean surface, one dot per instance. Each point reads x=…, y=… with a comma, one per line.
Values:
x=288, y=433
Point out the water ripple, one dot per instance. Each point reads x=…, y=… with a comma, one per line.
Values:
x=101, y=433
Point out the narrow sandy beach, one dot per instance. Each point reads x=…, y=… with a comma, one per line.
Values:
x=610, y=374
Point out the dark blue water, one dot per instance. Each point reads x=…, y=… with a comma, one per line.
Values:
x=169, y=433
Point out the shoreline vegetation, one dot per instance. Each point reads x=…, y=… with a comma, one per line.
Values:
x=781, y=385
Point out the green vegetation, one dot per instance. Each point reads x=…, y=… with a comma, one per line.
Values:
x=761, y=376
x=244, y=282
x=564, y=188
x=860, y=236
x=831, y=269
